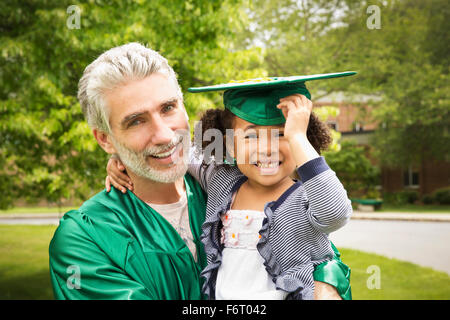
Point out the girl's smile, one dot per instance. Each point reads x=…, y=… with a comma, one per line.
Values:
x=262, y=152
x=268, y=168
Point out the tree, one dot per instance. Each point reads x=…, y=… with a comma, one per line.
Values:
x=403, y=62
x=358, y=175
x=47, y=150
x=298, y=38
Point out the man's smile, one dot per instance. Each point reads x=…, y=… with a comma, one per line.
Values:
x=169, y=156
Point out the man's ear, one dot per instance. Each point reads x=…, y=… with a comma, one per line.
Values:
x=104, y=141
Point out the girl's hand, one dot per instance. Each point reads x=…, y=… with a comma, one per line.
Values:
x=119, y=179
x=296, y=109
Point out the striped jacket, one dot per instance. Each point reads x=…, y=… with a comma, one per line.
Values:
x=294, y=234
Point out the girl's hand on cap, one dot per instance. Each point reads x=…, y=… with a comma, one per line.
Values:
x=296, y=109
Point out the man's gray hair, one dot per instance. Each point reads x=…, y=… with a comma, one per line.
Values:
x=131, y=61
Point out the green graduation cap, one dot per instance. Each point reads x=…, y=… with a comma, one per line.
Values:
x=255, y=100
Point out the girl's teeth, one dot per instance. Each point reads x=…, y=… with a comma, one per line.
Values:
x=267, y=165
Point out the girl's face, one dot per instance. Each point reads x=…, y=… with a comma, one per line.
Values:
x=262, y=152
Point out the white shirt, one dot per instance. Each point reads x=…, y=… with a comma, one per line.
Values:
x=177, y=214
x=242, y=274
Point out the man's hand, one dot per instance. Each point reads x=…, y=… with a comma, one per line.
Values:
x=325, y=291
x=116, y=176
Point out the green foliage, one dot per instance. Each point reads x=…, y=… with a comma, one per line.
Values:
x=401, y=197
x=404, y=64
x=47, y=150
x=439, y=196
x=324, y=113
x=428, y=199
x=353, y=168
x=442, y=196
x=298, y=39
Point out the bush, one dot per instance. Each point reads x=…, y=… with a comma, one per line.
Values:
x=401, y=197
x=428, y=199
x=372, y=194
x=442, y=196
x=354, y=169
x=410, y=196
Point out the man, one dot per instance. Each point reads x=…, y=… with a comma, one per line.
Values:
x=143, y=244
x=116, y=246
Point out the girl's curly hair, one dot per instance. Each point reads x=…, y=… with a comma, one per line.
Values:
x=317, y=133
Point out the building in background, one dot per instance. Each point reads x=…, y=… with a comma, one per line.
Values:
x=353, y=122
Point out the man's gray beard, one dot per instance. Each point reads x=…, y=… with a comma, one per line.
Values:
x=137, y=161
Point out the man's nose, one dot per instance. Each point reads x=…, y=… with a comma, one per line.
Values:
x=162, y=132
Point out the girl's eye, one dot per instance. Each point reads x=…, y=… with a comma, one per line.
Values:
x=251, y=136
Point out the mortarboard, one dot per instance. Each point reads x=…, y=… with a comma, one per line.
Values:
x=255, y=100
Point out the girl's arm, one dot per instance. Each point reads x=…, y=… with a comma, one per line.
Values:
x=117, y=176
x=201, y=172
x=120, y=180
x=297, y=110
x=328, y=205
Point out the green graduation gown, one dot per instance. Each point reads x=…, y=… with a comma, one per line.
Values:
x=115, y=246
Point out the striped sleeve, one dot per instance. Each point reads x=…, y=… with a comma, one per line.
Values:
x=201, y=172
x=328, y=205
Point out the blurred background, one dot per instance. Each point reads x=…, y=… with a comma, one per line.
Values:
x=390, y=123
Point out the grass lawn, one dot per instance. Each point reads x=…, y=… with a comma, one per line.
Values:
x=31, y=210
x=414, y=208
x=24, y=270
x=398, y=279
x=24, y=262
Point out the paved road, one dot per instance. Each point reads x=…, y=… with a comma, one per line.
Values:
x=35, y=221
x=423, y=243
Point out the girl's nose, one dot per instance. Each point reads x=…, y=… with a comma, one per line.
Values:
x=267, y=144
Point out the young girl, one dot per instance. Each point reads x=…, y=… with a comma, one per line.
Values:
x=265, y=234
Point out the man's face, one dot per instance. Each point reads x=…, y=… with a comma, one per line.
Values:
x=149, y=127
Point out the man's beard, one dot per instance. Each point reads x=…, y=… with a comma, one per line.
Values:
x=137, y=161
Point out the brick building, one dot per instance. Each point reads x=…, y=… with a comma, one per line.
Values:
x=353, y=123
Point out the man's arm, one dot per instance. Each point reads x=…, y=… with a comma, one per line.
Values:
x=79, y=269
x=332, y=279
x=325, y=291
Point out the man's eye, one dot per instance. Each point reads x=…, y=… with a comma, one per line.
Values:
x=168, y=108
x=135, y=122
x=251, y=136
